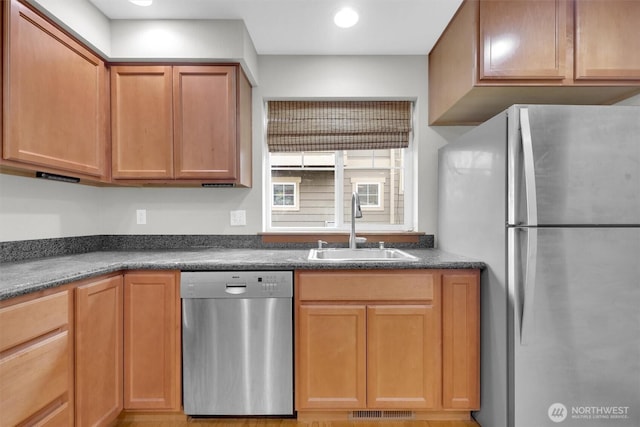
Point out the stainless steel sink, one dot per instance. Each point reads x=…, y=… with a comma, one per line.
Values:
x=362, y=254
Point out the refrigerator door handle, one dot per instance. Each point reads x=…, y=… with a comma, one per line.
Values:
x=529, y=168
x=526, y=322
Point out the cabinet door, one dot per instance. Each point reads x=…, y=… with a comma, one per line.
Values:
x=331, y=360
x=607, y=39
x=141, y=121
x=151, y=341
x=460, y=341
x=56, y=106
x=205, y=122
x=403, y=356
x=523, y=39
x=99, y=352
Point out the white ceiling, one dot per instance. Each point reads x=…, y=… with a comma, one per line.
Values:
x=305, y=27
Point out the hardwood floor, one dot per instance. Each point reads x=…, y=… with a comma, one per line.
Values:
x=182, y=421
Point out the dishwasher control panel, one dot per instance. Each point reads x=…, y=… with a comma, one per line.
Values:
x=236, y=284
x=269, y=283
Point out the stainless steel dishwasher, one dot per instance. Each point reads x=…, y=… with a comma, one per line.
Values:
x=237, y=343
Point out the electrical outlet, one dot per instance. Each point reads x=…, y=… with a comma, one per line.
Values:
x=237, y=218
x=141, y=216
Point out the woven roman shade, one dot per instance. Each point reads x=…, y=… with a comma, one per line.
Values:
x=337, y=125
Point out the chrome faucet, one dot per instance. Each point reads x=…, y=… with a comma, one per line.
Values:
x=356, y=212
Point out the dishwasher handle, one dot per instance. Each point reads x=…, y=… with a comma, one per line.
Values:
x=235, y=288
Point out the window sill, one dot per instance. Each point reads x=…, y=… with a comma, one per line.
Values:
x=340, y=237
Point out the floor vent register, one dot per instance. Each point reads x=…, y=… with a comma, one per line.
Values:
x=382, y=415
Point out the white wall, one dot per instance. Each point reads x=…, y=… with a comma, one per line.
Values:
x=33, y=208
x=81, y=18
x=184, y=40
x=634, y=100
x=155, y=40
x=179, y=210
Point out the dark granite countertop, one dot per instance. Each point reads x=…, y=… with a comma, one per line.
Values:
x=23, y=277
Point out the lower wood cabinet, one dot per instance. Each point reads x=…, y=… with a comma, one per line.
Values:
x=368, y=340
x=404, y=340
x=152, y=364
x=36, y=360
x=122, y=330
x=331, y=357
x=388, y=339
x=460, y=340
x=403, y=358
x=127, y=345
x=374, y=356
x=99, y=351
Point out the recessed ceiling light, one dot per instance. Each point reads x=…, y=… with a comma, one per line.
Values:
x=142, y=2
x=346, y=18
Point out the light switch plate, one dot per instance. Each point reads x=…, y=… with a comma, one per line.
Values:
x=238, y=218
x=141, y=216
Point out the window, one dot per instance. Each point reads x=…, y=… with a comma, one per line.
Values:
x=285, y=194
x=310, y=190
x=370, y=194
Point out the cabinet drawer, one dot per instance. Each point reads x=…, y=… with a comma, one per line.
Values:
x=33, y=377
x=31, y=319
x=410, y=285
x=60, y=417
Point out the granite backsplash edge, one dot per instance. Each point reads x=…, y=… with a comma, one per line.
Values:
x=22, y=250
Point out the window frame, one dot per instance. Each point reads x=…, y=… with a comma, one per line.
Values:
x=408, y=181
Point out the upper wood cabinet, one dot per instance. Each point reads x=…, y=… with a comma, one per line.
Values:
x=495, y=53
x=181, y=124
x=522, y=39
x=142, y=122
x=55, y=106
x=205, y=122
x=607, y=39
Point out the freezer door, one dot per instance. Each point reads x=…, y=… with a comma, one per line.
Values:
x=575, y=335
x=574, y=165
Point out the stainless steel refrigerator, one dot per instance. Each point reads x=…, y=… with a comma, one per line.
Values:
x=549, y=198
